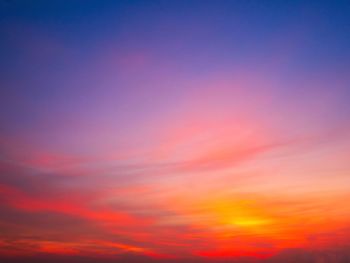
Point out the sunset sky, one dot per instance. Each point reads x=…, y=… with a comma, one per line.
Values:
x=175, y=131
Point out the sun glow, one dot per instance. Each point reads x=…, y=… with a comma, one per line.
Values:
x=248, y=222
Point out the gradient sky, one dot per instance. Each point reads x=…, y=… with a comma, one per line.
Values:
x=175, y=130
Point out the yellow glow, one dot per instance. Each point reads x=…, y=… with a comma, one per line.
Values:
x=237, y=213
x=249, y=222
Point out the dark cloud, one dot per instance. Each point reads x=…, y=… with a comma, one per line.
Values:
x=340, y=255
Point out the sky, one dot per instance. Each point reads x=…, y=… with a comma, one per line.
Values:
x=174, y=131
